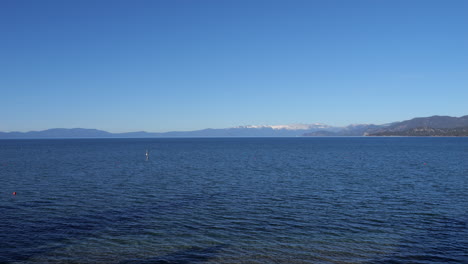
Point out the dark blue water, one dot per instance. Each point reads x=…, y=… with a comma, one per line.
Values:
x=262, y=200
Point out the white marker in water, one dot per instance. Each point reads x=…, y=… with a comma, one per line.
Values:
x=147, y=155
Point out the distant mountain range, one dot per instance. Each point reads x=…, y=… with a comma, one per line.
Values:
x=422, y=126
x=241, y=131
x=426, y=126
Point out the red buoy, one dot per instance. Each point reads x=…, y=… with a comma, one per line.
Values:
x=14, y=193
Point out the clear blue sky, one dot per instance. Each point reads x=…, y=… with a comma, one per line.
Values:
x=185, y=65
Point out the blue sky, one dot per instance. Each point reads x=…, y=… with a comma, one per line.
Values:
x=184, y=65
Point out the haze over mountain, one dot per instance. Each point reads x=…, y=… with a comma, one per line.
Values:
x=422, y=126
x=240, y=131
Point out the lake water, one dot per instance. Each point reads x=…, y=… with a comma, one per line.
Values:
x=234, y=200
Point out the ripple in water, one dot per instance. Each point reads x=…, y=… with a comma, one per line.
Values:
x=293, y=200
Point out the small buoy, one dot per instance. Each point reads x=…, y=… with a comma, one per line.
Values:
x=14, y=193
x=425, y=163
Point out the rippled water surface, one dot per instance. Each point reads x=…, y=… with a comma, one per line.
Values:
x=257, y=200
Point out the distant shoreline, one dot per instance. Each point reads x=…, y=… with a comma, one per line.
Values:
x=299, y=137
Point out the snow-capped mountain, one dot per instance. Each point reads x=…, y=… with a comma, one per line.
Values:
x=407, y=127
x=291, y=130
x=287, y=127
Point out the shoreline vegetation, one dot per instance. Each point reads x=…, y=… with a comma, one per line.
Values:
x=426, y=132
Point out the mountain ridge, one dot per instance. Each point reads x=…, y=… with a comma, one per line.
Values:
x=419, y=126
